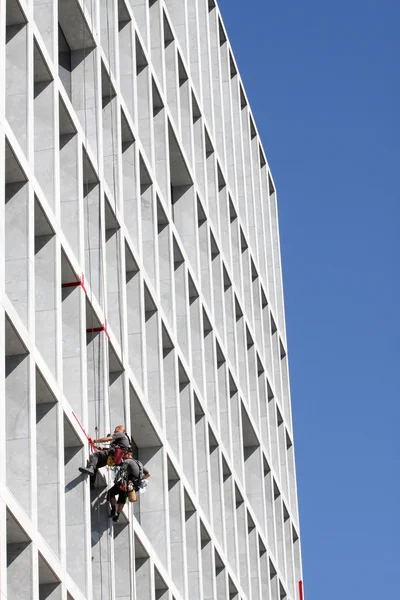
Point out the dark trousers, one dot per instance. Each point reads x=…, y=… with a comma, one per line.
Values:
x=116, y=491
x=98, y=459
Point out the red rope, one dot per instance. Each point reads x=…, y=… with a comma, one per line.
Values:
x=93, y=447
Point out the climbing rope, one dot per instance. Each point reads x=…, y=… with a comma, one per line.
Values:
x=96, y=395
x=95, y=360
x=114, y=158
x=115, y=192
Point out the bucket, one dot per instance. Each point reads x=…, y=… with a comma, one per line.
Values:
x=132, y=496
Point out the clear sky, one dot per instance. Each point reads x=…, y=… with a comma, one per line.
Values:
x=323, y=80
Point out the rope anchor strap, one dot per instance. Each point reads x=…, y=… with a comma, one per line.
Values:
x=301, y=596
x=99, y=329
x=78, y=283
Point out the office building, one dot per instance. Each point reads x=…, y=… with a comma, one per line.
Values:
x=140, y=282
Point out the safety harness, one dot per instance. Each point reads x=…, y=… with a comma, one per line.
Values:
x=121, y=474
x=118, y=451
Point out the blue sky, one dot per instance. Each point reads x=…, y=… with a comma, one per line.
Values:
x=323, y=81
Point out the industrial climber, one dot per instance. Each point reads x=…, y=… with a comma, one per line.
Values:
x=120, y=444
x=128, y=481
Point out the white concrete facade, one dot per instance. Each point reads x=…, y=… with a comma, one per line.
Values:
x=140, y=283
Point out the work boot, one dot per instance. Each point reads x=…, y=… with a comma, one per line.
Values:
x=87, y=470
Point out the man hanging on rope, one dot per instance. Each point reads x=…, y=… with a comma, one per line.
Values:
x=119, y=441
x=130, y=475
